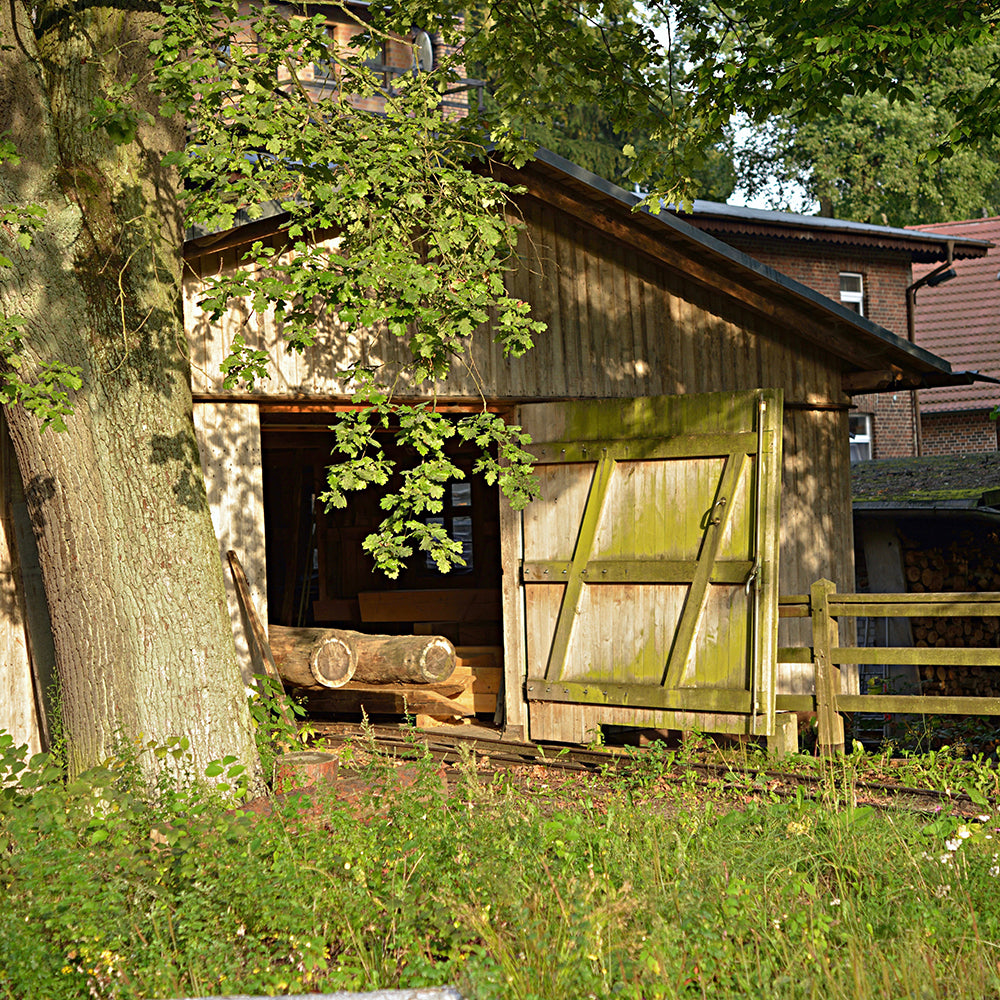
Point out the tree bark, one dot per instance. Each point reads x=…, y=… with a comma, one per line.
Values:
x=144, y=648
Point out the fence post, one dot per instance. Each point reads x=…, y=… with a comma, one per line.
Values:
x=830, y=724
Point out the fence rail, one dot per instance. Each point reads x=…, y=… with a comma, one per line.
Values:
x=826, y=607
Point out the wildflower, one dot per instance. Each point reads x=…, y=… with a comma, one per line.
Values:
x=952, y=845
x=982, y=819
x=835, y=901
x=963, y=832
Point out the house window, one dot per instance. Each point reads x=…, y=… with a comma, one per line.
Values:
x=457, y=520
x=852, y=291
x=861, y=436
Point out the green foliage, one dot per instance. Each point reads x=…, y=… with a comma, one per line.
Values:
x=391, y=226
x=417, y=493
x=115, y=889
x=869, y=159
x=884, y=111
x=47, y=393
x=591, y=132
x=395, y=223
x=275, y=717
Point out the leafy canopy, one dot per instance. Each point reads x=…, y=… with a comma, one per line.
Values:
x=873, y=159
x=884, y=111
x=390, y=226
x=393, y=223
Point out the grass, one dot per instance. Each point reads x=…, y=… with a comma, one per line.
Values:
x=634, y=885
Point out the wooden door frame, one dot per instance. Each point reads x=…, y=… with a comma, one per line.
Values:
x=515, y=702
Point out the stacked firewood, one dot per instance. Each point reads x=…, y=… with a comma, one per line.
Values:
x=973, y=682
x=955, y=568
x=344, y=672
x=956, y=631
x=961, y=561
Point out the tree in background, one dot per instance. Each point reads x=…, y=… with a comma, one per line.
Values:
x=884, y=110
x=867, y=161
x=577, y=122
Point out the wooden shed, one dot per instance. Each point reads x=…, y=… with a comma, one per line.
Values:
x=689, y=408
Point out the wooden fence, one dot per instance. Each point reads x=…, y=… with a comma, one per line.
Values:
x=825, y=607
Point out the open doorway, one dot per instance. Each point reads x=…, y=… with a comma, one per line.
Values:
x=319, y=574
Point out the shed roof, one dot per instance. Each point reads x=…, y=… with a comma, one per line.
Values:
x=920, y=243
x=960, y=319
x=942, y=478
x=954, y=486
x=876, y=360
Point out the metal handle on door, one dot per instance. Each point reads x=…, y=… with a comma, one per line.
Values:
x=721, y=502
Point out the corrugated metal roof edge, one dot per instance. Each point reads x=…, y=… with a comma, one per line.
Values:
x=918, y=251
x=965, y=509
x=928, y=227
x=975, y=248
x=709, y=242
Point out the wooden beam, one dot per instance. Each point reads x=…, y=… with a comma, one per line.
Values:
x=881, y=380
x=918, y=704
x=597, y=692
x=457, y=605
x=964, y=656
x=597, y=571
x=830, y=726
x=389, y=699
x=638, y=448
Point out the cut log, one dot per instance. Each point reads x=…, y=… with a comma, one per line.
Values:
x=332, y=657
x=313, y=657
x=395, y=659
x=304, y=768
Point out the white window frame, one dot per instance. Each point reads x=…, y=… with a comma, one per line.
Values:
x=860, y=425
x=853, y=298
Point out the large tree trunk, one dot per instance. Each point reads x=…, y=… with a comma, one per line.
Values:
x=143, y=642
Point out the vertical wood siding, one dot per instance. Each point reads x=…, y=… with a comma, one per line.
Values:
x=18, y=711
x=229, y=442
x=620, y=324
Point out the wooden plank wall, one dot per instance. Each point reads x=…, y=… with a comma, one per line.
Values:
x=229, y=442
x=19, y=714
x=619, y=324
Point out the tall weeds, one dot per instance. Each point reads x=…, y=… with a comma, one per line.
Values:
x=625, y=887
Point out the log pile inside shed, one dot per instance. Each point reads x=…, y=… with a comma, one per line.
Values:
x=344, y=672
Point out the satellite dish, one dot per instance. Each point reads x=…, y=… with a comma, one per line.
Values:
x=423, y=51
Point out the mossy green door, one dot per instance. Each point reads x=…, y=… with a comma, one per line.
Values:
x=650, y=563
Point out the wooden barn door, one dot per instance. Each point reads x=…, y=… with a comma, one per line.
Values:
x=650, y=564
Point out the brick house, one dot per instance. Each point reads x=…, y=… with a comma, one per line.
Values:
x=960, y=319
x=868, y=269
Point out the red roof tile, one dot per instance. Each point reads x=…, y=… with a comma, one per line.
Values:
x=960, y=320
